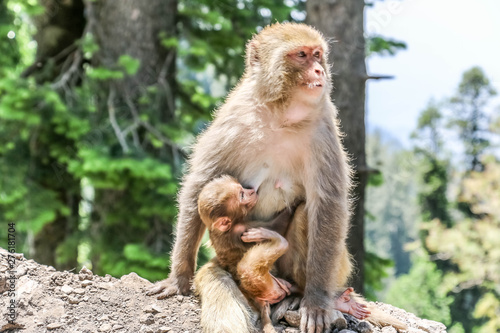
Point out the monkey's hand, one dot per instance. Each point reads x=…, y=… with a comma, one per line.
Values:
x=316, y=319
x=169, y=287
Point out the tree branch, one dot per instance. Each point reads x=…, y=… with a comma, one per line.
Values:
x=112, y=119
x=379, y=77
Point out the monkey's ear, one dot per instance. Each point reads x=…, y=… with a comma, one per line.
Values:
x=252, y=54
x=223, y=223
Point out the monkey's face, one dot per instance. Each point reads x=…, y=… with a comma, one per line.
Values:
x=307, y=61
x=246, y=198
x=286, y=59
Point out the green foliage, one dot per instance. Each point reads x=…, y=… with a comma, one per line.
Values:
x=474, y=241
x=391, y=223
x=471, y=118
x=383, y=46
x=420, y=292
x=30, y=117
x=434, y=168
x=434, y=186
x=375, y=272
x=462, y=243
x=129, y=64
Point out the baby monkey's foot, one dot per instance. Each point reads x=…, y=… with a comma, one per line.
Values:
x=347, y=304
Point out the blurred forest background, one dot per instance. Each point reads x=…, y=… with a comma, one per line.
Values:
x=100, y=101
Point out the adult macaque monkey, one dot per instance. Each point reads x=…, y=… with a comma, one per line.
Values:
x=277, y=134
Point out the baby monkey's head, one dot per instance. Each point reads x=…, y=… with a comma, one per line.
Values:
x=223, y=202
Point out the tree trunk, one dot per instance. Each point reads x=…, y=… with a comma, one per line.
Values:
x=135, y=29
x=342, y=22
x=58, y=28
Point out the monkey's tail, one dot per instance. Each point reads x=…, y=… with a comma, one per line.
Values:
x=380, y=318
x=224, y=309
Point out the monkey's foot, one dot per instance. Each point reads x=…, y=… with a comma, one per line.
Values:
x=169, y=287
x=345, y=303
x=314, y=318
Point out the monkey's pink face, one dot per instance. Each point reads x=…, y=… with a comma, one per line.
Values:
x=308, y=59
x=246, y=197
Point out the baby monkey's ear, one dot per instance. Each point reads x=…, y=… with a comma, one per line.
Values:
x=222, y=223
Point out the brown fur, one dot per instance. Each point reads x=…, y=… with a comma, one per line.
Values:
x=272, y=130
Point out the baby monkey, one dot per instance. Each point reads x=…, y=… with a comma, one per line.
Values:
x=223, y=205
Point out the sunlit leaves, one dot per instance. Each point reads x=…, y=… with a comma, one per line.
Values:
x=472, y=245
x=130, y=64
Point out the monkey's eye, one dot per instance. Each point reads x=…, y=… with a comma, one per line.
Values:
x=301, y=54
x=242, y=195
x=317, y=55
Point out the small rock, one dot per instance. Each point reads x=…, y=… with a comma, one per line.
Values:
x=292, y=330
x=26, y=286
x=106, y=285
x=147, y=319
x=73, y=300
x=347, y=331
x=53, y=326
x=79, y=291
x=85, y=271
x=104, y=298
x=293, y=318
x=164, y=329
x=66, y=289
x=135, y=281
x=85, y=274
x=431, y=326
x=51, y=269
x=145, y=329
x=279, y=329
x=18, y=256
x=364, y=327
x=86, y=283
x=103, y=318
x=179, y=298
x=153, y=309
x=86, y=299
x=105, y=328
x=20, y=271
x=117, y=327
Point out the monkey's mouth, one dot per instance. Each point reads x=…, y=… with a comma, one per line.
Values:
x=312, y=85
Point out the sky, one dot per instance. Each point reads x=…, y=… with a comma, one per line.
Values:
x=444, y=38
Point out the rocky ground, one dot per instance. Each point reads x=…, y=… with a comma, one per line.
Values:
x=52, y=301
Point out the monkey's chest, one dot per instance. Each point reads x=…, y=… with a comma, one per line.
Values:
x=278, y=178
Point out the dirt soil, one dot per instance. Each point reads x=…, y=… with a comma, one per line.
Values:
x=50, y=301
